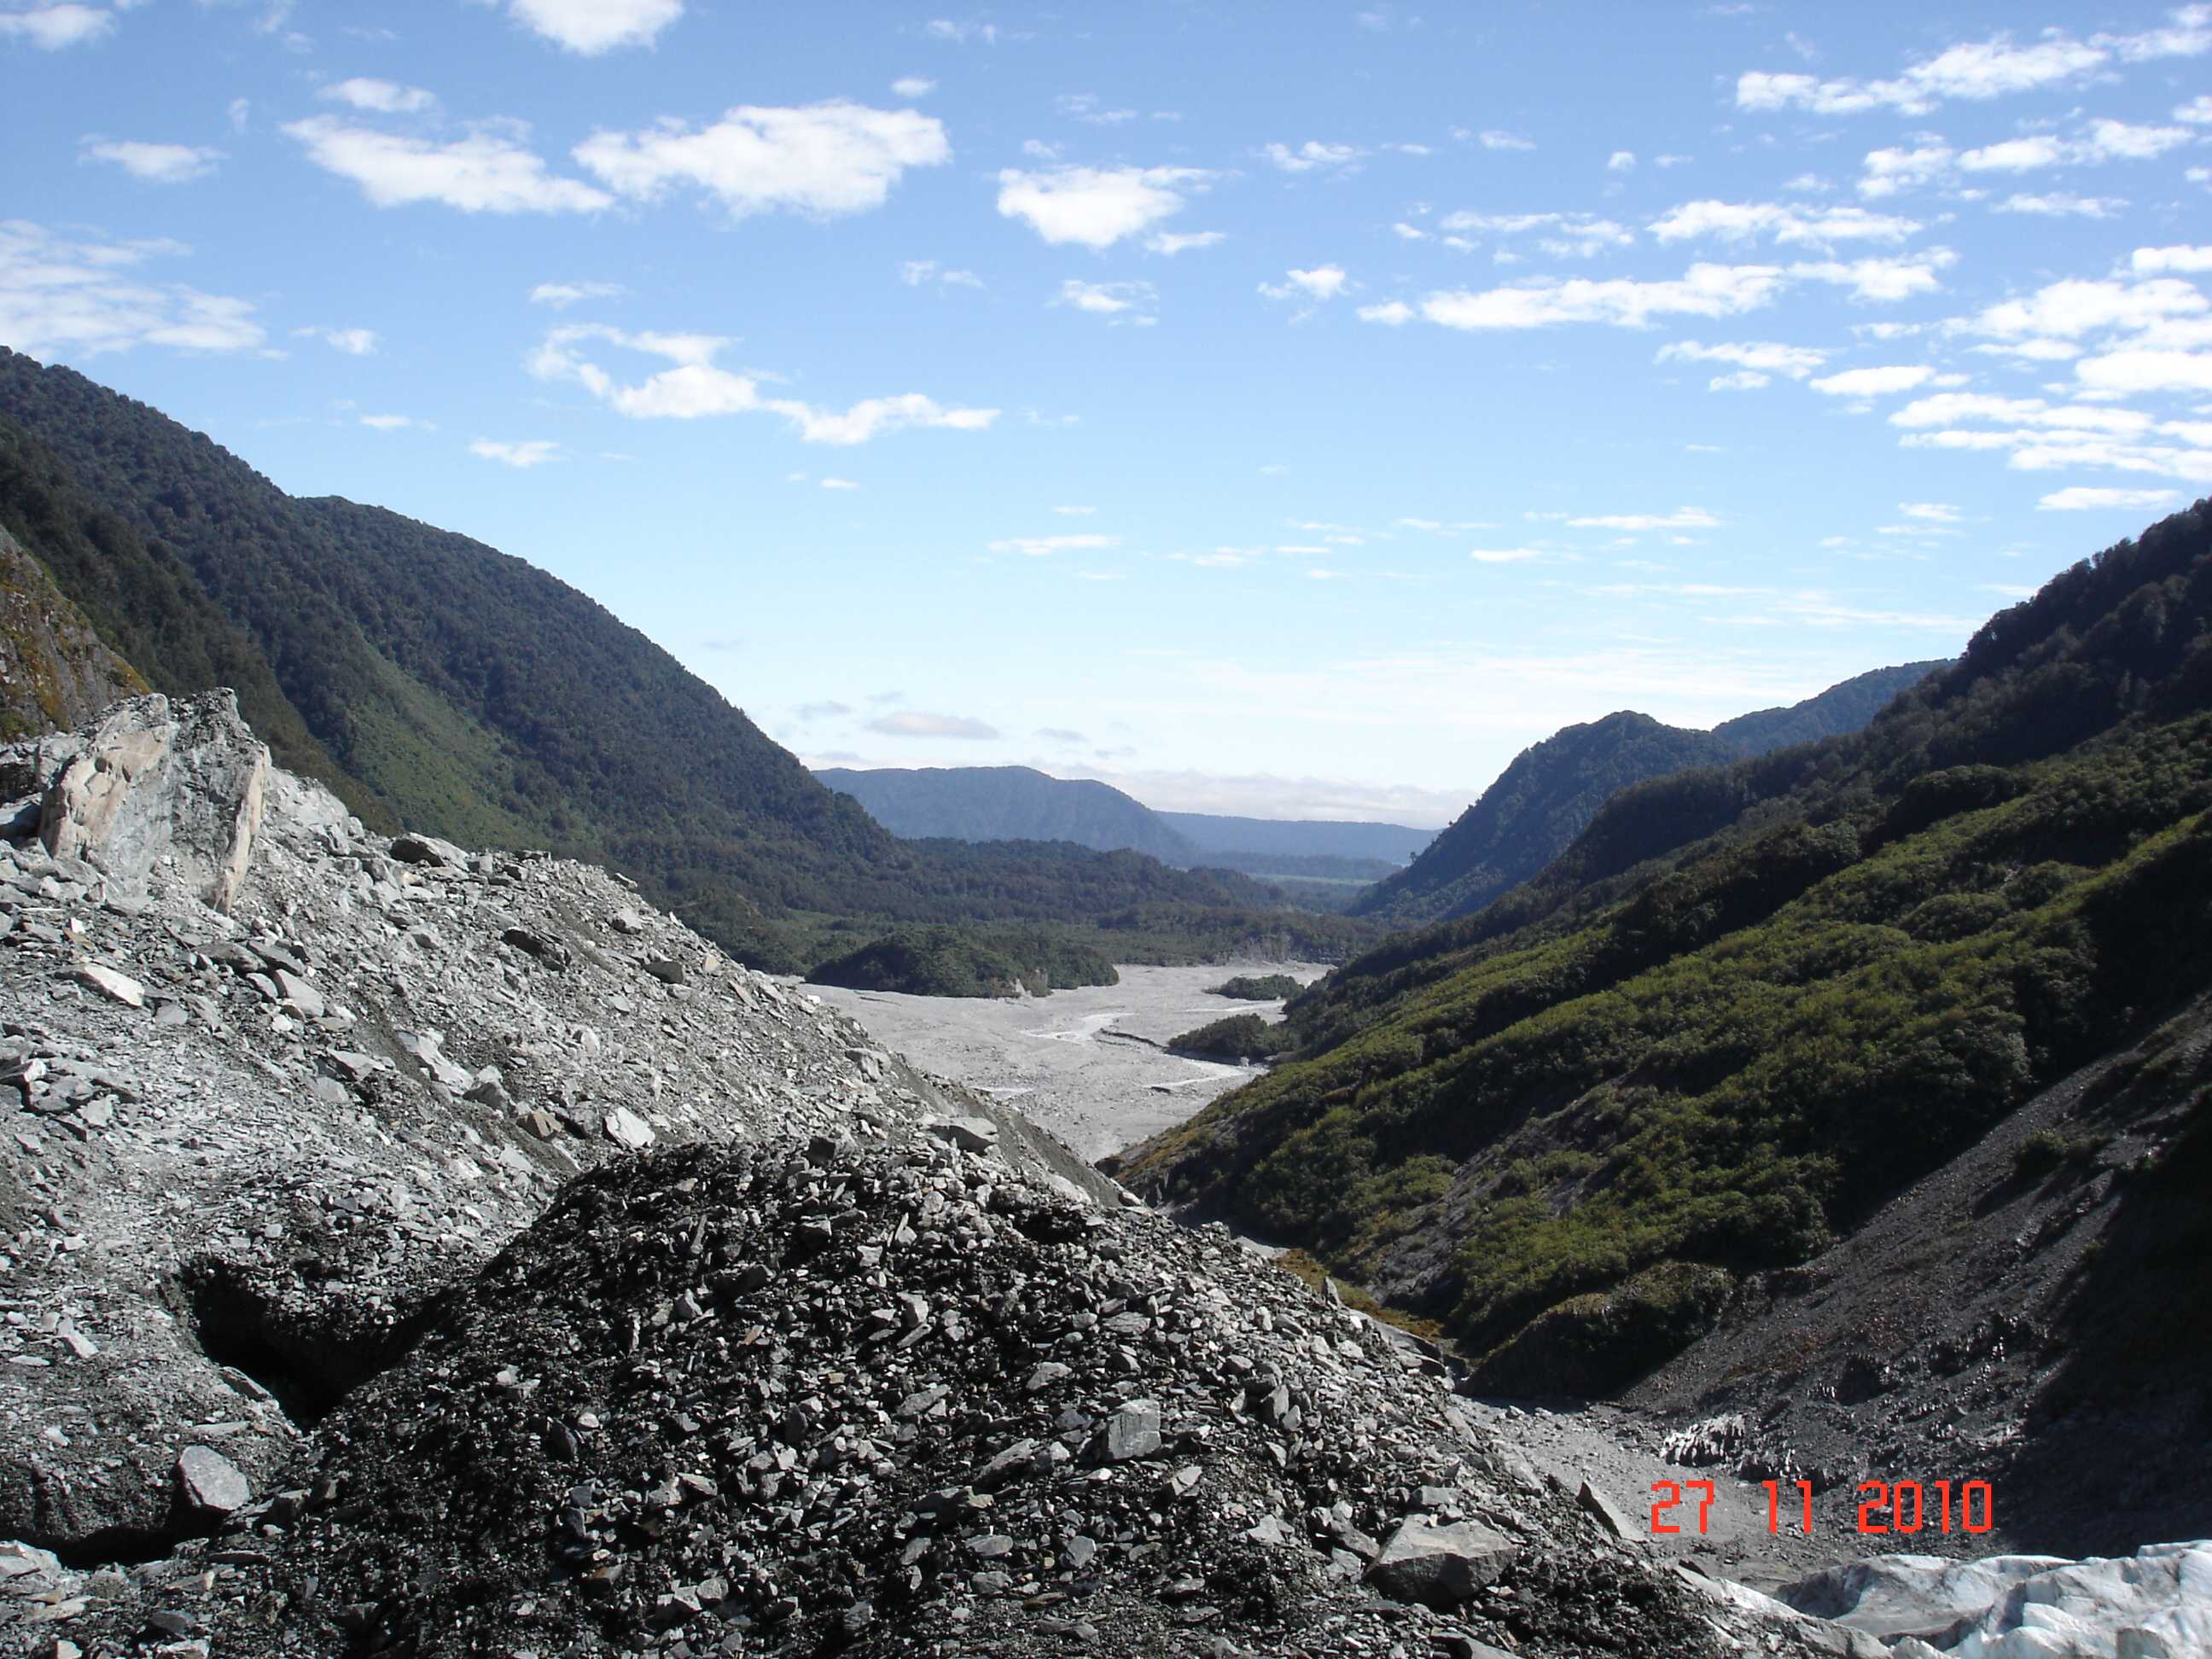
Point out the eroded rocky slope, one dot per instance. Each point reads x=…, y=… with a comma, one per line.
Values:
x=411, y=1251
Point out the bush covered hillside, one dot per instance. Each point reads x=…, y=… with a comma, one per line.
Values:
x=1752, y=1003
x=1552, y=789
x=955, y=961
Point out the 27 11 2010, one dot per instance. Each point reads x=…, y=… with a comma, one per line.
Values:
x=1906, y=1507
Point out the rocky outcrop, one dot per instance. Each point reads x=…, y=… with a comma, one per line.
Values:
x=155, y=791
x=55, y=671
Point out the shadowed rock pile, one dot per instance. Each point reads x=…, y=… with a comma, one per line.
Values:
x=813, y=1398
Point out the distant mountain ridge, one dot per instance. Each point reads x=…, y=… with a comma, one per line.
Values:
x=1019, y=803
x=1008, y=803
x=1553, y=790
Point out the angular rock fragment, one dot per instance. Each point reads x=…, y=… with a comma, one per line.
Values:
x=1438, y=1566
x=212, y=1482
x=119, y=987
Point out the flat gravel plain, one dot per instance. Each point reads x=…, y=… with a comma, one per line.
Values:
x=1090, y=1064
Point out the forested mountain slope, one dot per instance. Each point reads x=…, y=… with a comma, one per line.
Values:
x=1008, y=803
x=1541, y=802
x=55, y=671
x=1752, y=1003
x=434, y=681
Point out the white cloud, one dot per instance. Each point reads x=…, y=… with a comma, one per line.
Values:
x=2060, y=204
x=1975, y=71
x=1038, y=547
x=1743, y=380
x=916, y=272
x=1088, y=107
x=62, y=299
x=1173, y=242
x=2082, y=499
x=913, y=86
x=2146, y=370
x=391, y=423
x=1495, y=139
x=1874, y=382
x=1682, y=517
x=1735, y=221
x=379, y=97
x=1095, y=207
x=1564, y=235
x=592, y=26
x=528, y=452
x=2147, y=260
x=488, y=172
x=1105, y=299
x=1947, y=409
x=1503, y=555
x=695, y=388
x=561, y=295
x=1392, y=313
x=1310, y=154
x=1765, y=356
x=839, y=483
x=1075, y=512
x=1322, y=283
x=2197, y=112
x=2015, y=154
x=1881, y=280
x=51, y=27
x=1930, y=512
x=1704, y=290
x=1621, y=160
x=2075, y=306
x=159, y=164
x=820, y=159
x=1892, y=170
x=354, y=342
x=960, y=33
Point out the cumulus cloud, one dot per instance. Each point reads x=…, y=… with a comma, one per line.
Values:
x=589, y=27
x=1880, y=281
x=914, y=724
x=51, y=27
x=1392, y=313
x=696, y=387
x=378, y=97
x=913, y=86
x=391, y=423
x=61, y=298
x=2148, y=260
x=1621, y=160
x=1503, y=555
x=820, y=159
x=561, y=295
x=1682, y=517
x=490, y=171
x=2075, y=306
x=1874, y=382
x=2083, y=499
x=1564, y=235
x=1310, y=154
x=1130, y=302
x=2058, y=204
x=523, y=454
x=1172, y=242
x=1496, y=138
x=1762, y=357
x=1736, y=221
x=354, y=342
x=1094, y=207
x=1704, y=290
x=1978, y=70
x=158, y=164
x=1038, y=547
x=1322, y=283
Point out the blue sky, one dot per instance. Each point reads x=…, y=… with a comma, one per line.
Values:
x=1293, y=409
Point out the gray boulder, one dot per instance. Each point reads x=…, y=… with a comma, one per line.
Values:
x=1438, y=1566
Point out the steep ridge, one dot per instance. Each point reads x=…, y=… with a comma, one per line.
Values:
x=1753, y=1004
x=1008, y=803
x=55, y=670
x=1553, y=790
x=420, y=1250
x=430, y=679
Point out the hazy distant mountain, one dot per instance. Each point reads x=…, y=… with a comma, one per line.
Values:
x=1552, y=789
x=1008, y=803
x=1299, y=837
